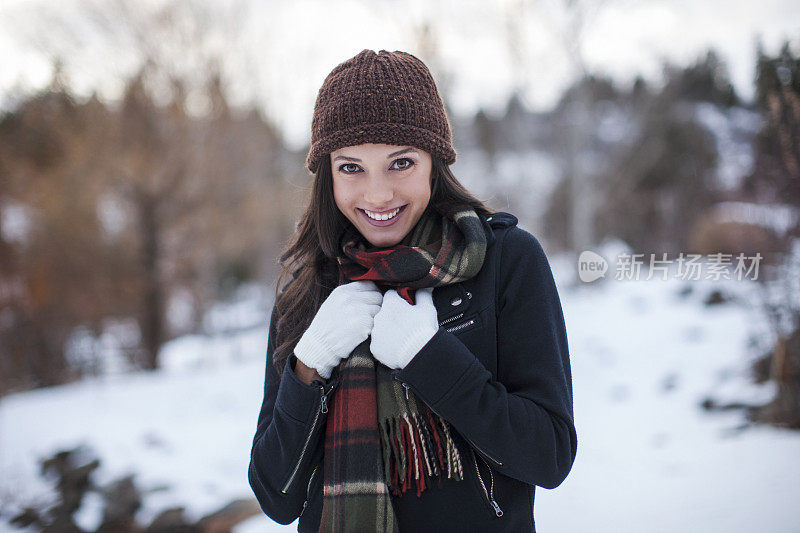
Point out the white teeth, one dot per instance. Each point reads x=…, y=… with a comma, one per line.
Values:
x=387, y=216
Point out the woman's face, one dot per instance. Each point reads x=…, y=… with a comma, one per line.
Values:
x=379, y=179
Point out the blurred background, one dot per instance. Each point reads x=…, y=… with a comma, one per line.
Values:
x=151, y=168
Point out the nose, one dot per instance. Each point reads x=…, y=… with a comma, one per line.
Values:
x=379, y=191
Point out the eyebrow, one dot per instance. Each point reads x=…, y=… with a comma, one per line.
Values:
x=403, y=151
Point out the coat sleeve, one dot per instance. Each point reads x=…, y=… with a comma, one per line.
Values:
x=289, y=411
x=524, y=419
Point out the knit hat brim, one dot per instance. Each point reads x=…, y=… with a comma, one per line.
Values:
x=401, y=134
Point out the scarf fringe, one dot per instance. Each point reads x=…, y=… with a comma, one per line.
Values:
x=413, y=452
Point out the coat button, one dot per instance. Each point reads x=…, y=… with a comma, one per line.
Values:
x=456, y=301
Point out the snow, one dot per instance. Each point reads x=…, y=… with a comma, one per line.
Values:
x=644, y=355
x=187, y=427
x=778, y=217
x=733, y=131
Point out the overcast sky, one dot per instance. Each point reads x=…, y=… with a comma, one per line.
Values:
x=278, y=52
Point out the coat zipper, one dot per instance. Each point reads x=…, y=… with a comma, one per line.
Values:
x=308, y=491
x=462, y=325
x=482, y=452
x=317, y=417
x=492, y=501
x=490, y=493
x=311, y=482
x=459, y=326
x=452, y=318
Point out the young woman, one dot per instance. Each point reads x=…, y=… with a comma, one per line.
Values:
x=418, y=374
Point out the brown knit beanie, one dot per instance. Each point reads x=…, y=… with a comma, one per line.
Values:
x=384, y=97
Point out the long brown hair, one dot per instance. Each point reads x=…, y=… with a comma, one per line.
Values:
x=310, y=255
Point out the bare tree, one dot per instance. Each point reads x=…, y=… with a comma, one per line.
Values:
x=195, y=183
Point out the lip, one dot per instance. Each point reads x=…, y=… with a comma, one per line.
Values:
x=383, y=223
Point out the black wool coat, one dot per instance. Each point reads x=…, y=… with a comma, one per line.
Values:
x=498, y=370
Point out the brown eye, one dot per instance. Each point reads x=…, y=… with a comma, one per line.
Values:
x=345, y=168
x=408, y=162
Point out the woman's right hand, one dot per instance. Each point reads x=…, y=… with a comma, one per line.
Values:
x=343, y=321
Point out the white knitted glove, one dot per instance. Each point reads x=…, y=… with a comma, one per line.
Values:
x=401, y=329
x=343, y=321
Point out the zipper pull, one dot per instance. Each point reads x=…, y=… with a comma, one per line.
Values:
x=324, y=406
x=303, y=510
x=497, y=510
x=406, y=387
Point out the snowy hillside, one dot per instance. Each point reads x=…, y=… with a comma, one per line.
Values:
x=649, y=458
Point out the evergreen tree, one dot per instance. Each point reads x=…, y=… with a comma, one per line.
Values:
x=707, y=80
x=776, y=179
x=776, y=172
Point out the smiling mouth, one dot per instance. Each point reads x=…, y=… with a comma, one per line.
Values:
x=384, y=216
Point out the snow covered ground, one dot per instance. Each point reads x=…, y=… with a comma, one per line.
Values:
x=649, y=458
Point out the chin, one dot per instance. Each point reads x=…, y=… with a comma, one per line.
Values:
x=385, y=243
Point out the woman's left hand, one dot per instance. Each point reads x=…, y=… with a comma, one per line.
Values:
x=400, y=329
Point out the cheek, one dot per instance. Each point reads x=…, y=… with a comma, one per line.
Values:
x=423, y=181
x=421, y=189
x=341, y=194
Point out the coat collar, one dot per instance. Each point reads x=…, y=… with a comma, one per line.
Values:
x=500, y=219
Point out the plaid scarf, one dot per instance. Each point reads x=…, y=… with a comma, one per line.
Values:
x=380, y=438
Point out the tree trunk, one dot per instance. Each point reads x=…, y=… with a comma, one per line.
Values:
x=152, y=321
